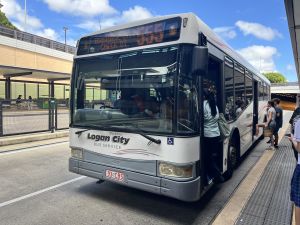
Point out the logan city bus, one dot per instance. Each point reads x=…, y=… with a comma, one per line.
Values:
x=137, y=104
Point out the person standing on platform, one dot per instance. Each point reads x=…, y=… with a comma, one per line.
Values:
x=19, y=101
x=294, y=118
x=295, y=183
x=29, y=103
x=270, y=123
x=212, y=138
x=278, y=120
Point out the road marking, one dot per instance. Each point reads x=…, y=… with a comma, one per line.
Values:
x=39, y=192
x=9, y=152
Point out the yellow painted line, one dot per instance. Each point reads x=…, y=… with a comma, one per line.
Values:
x=230, y=213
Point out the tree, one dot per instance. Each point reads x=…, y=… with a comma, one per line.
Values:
x=5, y=22
x=275, y=77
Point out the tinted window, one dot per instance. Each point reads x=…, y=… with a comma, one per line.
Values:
x=229, y=91
x=239, y=88
x=261, y=91
x=249, y=88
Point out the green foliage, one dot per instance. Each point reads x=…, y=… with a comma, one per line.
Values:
x=5, y=22
x=275, y=77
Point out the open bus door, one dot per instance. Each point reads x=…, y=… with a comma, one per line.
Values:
x=255, y=107
x=211, y=80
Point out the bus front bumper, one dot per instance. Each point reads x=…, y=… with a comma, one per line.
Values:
x=182, y=190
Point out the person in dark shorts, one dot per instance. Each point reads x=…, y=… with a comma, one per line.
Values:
x=278, y=120
x=295, y=182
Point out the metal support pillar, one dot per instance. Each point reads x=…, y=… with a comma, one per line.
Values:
x=7, y=88
x=51, y=84
x=1, y=120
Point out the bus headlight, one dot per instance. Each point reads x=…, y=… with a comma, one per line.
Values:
x=77, y=153
x=178, y=171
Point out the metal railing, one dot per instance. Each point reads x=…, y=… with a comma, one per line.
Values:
x=34, y=39
x=30, y=116
x=285, y=84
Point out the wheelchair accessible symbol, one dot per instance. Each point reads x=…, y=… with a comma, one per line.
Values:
x=170, y=141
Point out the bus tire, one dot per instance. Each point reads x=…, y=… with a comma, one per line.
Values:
x=232, y=161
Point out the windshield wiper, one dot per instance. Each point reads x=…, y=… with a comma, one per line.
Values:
x=141, y=132
x=92, y=126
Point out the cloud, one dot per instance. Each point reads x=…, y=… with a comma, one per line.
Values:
x=225, y=32
x=284, y=18
x=15, y=12
x=84, y=8
x=132, y=14
x=261, y=57
x=33, y=25
x=258, y=30
x=290, y=67
x=135, y=13
x=48, y=33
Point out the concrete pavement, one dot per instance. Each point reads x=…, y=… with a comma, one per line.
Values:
x=24, y=138
x=36, y=188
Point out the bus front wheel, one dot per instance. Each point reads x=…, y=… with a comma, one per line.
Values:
x=232, y=160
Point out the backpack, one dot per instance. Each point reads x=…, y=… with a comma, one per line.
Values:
x=223, y=126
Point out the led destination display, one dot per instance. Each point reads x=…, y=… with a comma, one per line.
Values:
x=153, y=33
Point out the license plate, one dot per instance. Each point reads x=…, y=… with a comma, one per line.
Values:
x=113, y=175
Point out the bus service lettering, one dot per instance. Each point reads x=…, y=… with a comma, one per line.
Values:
x=115, y=139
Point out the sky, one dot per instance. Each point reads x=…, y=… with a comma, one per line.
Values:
x=257, y=29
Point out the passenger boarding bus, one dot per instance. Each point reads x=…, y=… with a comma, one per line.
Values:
x=137, y=105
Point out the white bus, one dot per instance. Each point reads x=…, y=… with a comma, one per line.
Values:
x=136, y=104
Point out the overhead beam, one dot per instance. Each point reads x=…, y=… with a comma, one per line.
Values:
x=290, y=12
x=17, y=74
x=60, y=78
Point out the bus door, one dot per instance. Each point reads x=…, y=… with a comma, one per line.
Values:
x=255, y=106
x=212, y=80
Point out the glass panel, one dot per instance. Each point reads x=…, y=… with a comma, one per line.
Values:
x=17, y=88
x=2, y=89
x=229, y=94
x=125, y=82
x=239, y=89
x=43, y=91
x=67, y=91
x=249, y=88
x=31, y=90
x=261, y=92
x=89, y=96
x=187, y=99
x=97, y=93
x=187, y=110
x=58, y=91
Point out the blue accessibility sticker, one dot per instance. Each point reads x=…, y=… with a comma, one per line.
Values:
x=170, y=141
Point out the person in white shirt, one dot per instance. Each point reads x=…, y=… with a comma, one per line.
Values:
x=212, y=138
x=295, y=183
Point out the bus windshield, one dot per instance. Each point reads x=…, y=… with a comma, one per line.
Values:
x=129, y=90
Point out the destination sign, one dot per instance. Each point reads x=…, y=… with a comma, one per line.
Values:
x=148, y=34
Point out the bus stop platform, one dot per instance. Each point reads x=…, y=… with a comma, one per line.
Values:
x=263, y=196
x=270, y=202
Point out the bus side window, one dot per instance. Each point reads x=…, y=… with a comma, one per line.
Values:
x=249, y=88
x=229, y=91
x=239, y=89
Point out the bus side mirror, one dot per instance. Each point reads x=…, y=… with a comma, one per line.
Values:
x=200, y=61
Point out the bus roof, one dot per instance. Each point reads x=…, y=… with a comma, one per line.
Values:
x=189, y=34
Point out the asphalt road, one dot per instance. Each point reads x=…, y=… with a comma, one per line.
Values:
x=36, y=189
